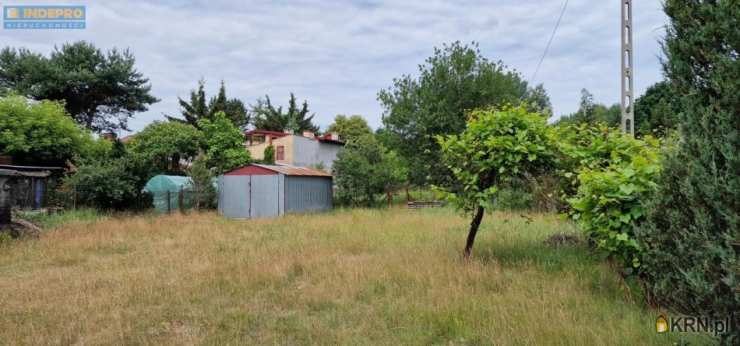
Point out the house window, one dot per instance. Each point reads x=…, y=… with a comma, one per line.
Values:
x=280, y=153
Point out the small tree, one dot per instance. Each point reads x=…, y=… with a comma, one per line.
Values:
x=201, y=182
x=496, y=147
x=165, y=144
x=365, y=169
x=223, y=143
x=269, y=155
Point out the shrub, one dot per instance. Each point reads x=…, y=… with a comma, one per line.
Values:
x=365, y=169
x=269, y=155
x=587, y=146
x=106, y=185
x=201, y=183
x=609, y=200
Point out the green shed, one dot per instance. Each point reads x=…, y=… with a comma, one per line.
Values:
x=159, y=185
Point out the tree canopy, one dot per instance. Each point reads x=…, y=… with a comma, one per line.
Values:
x=165, y=144
x=453, y=81
x=656, y=111
x=223, y=143
x=294, y=119
x=100, y=90
x=200, y=108
x=590, y=112
x=349, y=128
x=41, y=133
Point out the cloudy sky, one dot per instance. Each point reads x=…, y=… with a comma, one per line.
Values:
x=339, y=54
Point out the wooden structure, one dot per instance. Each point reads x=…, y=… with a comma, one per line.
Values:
x=424, y=204
x=27, y=185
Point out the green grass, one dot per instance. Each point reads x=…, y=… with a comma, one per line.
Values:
x=391, y=276
x=50, y=221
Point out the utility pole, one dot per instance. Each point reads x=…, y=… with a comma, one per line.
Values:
x=628, y=96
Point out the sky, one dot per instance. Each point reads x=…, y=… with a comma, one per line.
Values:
x=337, y=55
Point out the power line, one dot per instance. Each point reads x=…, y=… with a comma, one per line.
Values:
x=554, y=30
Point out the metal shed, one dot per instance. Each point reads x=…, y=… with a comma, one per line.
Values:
x=271, y=190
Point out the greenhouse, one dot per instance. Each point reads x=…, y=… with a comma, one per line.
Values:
x=171, y=192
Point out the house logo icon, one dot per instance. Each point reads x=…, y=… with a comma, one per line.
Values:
x=12, y=13
x=661, y=324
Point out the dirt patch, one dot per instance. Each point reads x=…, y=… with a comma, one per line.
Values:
x=562, y=239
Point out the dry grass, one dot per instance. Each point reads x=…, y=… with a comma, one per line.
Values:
x=348, y=277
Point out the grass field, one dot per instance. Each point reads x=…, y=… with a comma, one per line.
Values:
x=348, y=277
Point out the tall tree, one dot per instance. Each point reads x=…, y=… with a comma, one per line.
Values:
x=538, y=100
x=656, y=111
x=349, y=128
x=199, y=108
x=100, y=90
x=693, y=222
x=295, y=119
x=590, y=112
x=453, y=81
x=194, y=110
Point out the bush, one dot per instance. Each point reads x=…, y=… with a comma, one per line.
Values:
x=609, y=201
x=269, y=155
x=201, y=183
x=365, y=169
x=105, y=185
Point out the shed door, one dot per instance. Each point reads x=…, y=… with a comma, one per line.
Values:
x=234, y=195
x=264, y=196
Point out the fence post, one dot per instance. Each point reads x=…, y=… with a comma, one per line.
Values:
x=180, y=200
x=169, y=207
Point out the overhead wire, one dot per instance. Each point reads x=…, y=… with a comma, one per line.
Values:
x=549, y=42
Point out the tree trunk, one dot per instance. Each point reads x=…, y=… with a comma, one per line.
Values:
x=408, y=196
x=473, y=230
x=389, y=197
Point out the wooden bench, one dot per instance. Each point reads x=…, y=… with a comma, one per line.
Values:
x=424, y=204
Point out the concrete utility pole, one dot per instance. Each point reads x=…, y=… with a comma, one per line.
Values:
x=628, y=96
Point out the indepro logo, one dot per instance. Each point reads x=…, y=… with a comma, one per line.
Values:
x=44, y=17
x=692, y=324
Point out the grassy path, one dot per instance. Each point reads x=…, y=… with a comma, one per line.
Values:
x=348, y=277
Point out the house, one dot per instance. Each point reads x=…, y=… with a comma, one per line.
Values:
x=257, y=190
x=306, y=150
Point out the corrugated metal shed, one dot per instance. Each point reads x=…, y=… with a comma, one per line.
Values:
x=272, y=190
